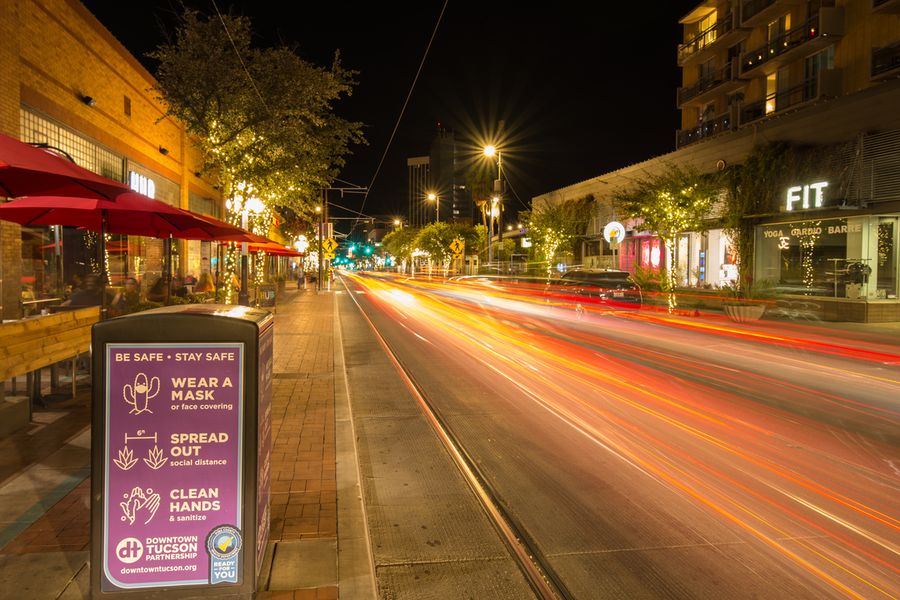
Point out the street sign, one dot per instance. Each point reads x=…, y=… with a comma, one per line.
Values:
x=456, y=255
x=328, y=255
x=457, y=246
x=614, y=232
x=329, y=245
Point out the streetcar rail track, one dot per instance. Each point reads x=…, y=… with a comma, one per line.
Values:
x=540, y=575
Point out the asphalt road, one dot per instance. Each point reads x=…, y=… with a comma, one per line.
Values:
x=649, y=456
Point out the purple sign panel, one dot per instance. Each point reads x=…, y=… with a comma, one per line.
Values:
x=172, y=507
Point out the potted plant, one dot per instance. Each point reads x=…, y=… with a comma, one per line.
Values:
x=746, y=300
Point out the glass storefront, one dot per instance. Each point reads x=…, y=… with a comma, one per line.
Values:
x=842, y=258
x=886, y=262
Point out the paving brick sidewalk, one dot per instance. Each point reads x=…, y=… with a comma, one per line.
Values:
x=48, y=557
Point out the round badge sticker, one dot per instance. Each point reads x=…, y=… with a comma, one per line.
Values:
x=224, y=546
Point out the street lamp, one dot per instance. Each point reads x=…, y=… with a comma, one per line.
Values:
x=246, y=207
x=490, y=151
x=437, y=206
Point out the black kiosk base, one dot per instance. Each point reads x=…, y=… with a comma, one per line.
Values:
x=180, y=452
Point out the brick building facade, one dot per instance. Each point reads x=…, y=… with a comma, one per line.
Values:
x=65, y=80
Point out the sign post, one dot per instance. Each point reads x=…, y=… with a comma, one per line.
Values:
x=614, y=233
x=180, y=454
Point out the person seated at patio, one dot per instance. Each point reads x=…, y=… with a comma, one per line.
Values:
x=157, y=292
x=178, y=288
x=205, y=284
x=128, y=299
x=89, y=294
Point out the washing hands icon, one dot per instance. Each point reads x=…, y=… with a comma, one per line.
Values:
x=139, y=395
x=139, y=502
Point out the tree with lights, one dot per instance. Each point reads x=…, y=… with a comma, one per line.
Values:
x=555, y=226
x=435, y=239
x=675, y=201
x=263, y=117
x=401, y=243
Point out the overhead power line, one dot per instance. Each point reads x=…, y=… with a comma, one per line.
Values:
x=405, y=103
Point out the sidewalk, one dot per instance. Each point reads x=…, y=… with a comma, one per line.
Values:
x=45, y=476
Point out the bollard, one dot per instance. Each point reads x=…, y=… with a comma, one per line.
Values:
x=180, y=454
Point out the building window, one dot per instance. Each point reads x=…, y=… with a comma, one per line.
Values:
x=771, y=89
x=778, y=28
x=886, y=263
x=707, y=27
x=127, y=106
x=805, y=257
x=86, y=153
x=815, y=64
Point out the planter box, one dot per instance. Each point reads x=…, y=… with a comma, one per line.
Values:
x=745, y=313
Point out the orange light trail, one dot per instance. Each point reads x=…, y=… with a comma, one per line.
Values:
x=691, y=422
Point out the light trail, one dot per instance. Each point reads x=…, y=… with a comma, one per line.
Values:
x=699, y=429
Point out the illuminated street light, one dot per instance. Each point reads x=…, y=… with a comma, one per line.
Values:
x=490, y=151
x=437, y=206
x=246, y=207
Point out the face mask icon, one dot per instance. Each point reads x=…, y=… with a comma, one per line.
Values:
x=140, y=394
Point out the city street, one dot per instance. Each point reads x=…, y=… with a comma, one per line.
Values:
x=642, y=455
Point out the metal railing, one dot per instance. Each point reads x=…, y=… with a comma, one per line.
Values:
x=780, y=101
x=706, y=129
x=776, y=47
x=706, y=37
x=718, y=77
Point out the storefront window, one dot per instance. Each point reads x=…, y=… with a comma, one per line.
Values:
x=887, y=258
x=41, y=277
x=805, y=257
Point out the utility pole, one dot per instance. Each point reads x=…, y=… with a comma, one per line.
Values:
x=323, y=220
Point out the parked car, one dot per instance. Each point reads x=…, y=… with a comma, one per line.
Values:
x=585, y=288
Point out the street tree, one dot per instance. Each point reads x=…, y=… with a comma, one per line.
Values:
x=262, y=117
x=674, y=201
x=435, y=239
x=555, y=226
x=401, y=243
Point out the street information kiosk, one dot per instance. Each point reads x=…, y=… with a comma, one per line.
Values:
x=181, y=452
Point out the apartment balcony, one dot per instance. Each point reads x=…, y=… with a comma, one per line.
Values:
x=707, y=129
x=886, y=62
x=723, y=34
x=886, y=6
x=759, y=12
x=826, y=85
x=722, y=81
x=813, y=35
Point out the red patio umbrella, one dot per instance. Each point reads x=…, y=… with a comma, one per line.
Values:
x=26, y=170
x=130, y=213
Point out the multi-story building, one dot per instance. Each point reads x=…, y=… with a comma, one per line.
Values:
x=819, y=74
x=66, y=82
x=418, y=185
x=448, y=178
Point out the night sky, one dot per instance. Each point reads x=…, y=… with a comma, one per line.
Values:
x=579, y=95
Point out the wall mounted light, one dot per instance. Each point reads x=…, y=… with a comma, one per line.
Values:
x=89, y=100
x=163, y=150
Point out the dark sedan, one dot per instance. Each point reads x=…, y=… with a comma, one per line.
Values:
x=584, y=289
